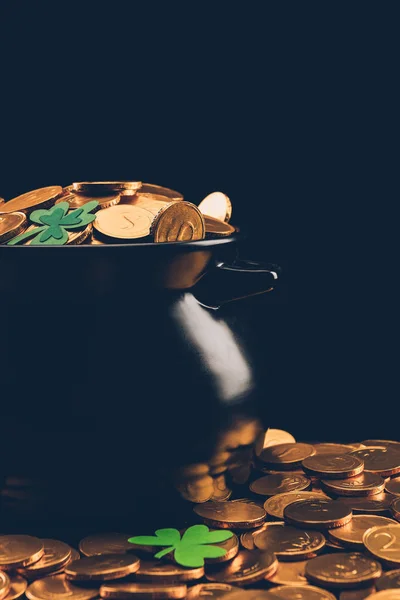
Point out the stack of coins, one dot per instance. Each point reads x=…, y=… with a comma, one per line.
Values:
x=314, y=522
x=127, y=212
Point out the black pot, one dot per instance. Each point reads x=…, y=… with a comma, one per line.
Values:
x=119, y=377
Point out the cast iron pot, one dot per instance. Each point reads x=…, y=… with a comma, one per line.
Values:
x=119, y=377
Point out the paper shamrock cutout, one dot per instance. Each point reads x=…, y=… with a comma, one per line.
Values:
x=191, y=549
x=54, y=224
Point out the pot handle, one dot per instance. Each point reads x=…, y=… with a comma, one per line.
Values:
x=241, y=279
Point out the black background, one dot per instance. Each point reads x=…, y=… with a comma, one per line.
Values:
x=258, y=100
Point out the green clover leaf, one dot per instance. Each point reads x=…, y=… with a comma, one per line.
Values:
x=191, y=549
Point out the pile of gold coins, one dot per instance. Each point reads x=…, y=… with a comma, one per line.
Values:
x=314, y=522
x=127, y=211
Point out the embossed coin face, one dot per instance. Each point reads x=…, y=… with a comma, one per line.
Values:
x=123, y=221
x=17, y=588
x=211, y=590
x=290, y=573
x=56, y=555
x=393, y=486
x=4, y=584
x=78, y=200
x=33, y=200
x=58, y=587
x=217, y=205
x=379, y=504
x=299, y=592
x=366, y=484
x=389, y=580
x=333, y=466
x=351, y=535
x=272, y=437
x=384, y=543
x=144, y=591
x=286, y=456
x=343, y=570
x=289, y=543
x=179, y=222
x=102, y=567
x=155, y=572
x=104, y=188
x=19, y=551
x=226, y=515
x=318, y=514
x=217, y=228
x=332, y=448
x=106, y=543
x=246, y=568
x=276, y=505
x=383, y=461
x=11, y=225
x=279, y=483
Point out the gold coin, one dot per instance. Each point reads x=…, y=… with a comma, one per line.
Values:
x=224, y=515
x=351, y=535
x=58, y=587
x=179, y=222
x=343, y=570
x=395, y=508
x=156, y=572
x=333, y=466
x=197, y=490
x=151, y=188
x=289, y=543
x=279, y=483
x=384, y=543
x=124, y=222
x=78, y=200
x=384, y=595
x=105, y=543
x=154, y=203
x=216, y=228
x=75, y=236
x=333, y=448
x=272, y=437
x=283, y=457
x=276, y=505
x=357, y=594
x=246, y=568
x=26, y=203
x=104, y=188
x=387, y=443
x=11, y=225
x=56, y=555
x=102, y=567
x=393, y=486
x=216, y=205
x=231, y=548
x=380, y=460
x=142, y=591
x=365, y=484
x=317, y=514
x=379, y=504
x=300, y=592
x=250, y=595
x=390, y=580
x=19, y=551
x=221, y=492
x=210, y=590
x=290, y=573
x=4, y=584
x=17, y=588
x=247, y=537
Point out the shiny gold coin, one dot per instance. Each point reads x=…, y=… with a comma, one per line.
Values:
x=365, y=484
x=217, y=228
x=19, y=551
x=289, y=543
x=384, y=543
x=104, y=188
x=247, y=537
x=246, y=568
x=231, y=548
x=395, y=508
x=283, y=457
x=290, y=573
x=210, y=590
x=343, y=570
x=250, y=595
x=4, y=584
x=388, y=443
x=102, y=567
x=333, y=466
x=154, y=203
x=11, y=225
x=221, y=492
x=58, y=587
x=56, y=555
x=179, y=222
x=17, y=587
x=301, y=592
x=276, y=505
x=389, y=580
x=384, y=595
x=272, y=437
x=393, y=486
x=78, y=200
x=106, y=543
x=142, y=591
x=357, y=594
x=317, y=514
x=379, y=504
x=226, y=515
x=123, y=222
x=329, y=448
x=75, y=236
x=380, y=460
x=351, y=535
x=217, y=205
x=156, y=572
x=197, y=490
x=279, y=483
x=26, y=203
x=151, y=188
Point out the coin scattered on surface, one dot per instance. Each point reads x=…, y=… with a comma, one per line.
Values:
x=245, y=569
x=289, y=543
x=299, y=592
x=384, y=543
x=343, y=570
x=383, y=461
x=389, y=580
x=317, y=514
x=217, y=205
x=19, y=551
x=56, y=555
x=333, y=448
x=379, y=504
x=231, y=547
x=351, y=535
x=235, y=515
x=209, y=590
x=333, y=466
x=280, y=483
x=387, y=443
x=11, y=225
x=286, y=456
x=17, y=587
x=58, y=587
x=102, y=567
x=393, y=486
x=33, y=200
x=106, y=543
x=366, y=484
x=154, y=571
x=276, y=505
x=142, y=591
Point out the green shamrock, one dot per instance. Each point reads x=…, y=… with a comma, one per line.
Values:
x=55, y=222
x=192, y=549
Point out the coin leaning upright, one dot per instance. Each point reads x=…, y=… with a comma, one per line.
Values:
x=179, y=222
